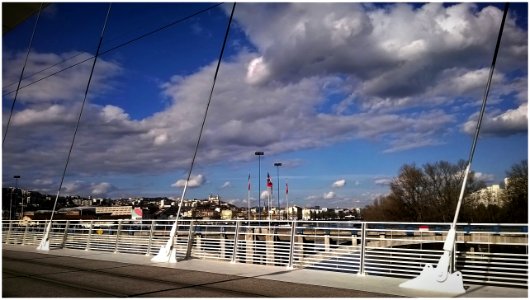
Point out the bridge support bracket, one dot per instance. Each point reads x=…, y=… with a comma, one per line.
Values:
x=166, y=254
x=439, y=279
x=45, y=242
x=44, y=245
x=428, y=280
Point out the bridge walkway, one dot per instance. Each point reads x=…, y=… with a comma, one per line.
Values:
x=204, y=278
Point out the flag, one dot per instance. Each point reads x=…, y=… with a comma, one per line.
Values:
x=286, y=188
x=249, y=181
x=269, y=181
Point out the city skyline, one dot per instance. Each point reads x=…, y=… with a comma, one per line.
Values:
x=342, y=94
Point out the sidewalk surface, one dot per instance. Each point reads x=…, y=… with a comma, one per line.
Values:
x=367, y=283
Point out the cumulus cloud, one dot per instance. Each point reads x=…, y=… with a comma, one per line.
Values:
x=264, y=195
x=329, y=195
x=511, y=121
x=226, y=184
x=101, y=188
x=309, y=54
x=339, y=183
x=397, y=50
x=383, y=181
x=79, y=187
x=65, y=86
x=195, y=181
x=489, y=178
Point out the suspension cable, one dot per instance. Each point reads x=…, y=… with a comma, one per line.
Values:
x=481, y=115
x=206, y=112
x=81, y=110
x=109, y=50
x=21, y=74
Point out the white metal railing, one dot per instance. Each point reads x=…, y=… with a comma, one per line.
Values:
x=490, y=254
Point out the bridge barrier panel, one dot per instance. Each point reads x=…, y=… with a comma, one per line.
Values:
x=487, y=254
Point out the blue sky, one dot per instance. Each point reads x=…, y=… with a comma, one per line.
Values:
x=342, y=94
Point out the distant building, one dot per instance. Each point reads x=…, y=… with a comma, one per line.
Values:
x=491, y=195
x=226, y=214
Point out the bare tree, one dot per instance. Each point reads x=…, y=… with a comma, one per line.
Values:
x=427, y=194
x=516, y=193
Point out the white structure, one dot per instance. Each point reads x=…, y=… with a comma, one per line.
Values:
x=491, y=195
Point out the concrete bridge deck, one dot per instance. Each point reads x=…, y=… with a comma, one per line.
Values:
x=77, y=273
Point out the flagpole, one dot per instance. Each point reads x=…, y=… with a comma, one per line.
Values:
x=287, y=198
x=248, y=198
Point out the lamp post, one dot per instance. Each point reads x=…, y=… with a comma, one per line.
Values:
x=17, y=177
x=259, y=154
x=278, y=165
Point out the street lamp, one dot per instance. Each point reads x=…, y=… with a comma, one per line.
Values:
x=11, y=200
x=259, y=154
x=17, y=177
x=278, y=165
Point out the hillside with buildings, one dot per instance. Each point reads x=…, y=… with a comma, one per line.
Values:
x=34, y=205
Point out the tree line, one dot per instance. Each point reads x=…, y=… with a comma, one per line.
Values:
x=430, y=194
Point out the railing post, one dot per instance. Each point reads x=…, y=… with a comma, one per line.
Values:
x=65, y=233
x=89, y=235
x=25, y=234
x=363, y=248
x=236, y=237
x=191, y=235
x=222, y=242
x=452, y=264
x=199, y=243
x=249, y=242
x=269, y=247
x=150, y=242
x=9, y=232
x=291, y=245
x=118, y=235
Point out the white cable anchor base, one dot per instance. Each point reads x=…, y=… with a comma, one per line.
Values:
x=439, y=279
x=44, y=244
x=166, y=255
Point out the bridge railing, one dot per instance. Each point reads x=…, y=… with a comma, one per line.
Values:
x=490, y=254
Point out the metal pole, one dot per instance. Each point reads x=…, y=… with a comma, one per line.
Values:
x=118, y=233
x=151, y=233
x=259, y=154
x=291, y=245
x=278, y=165
x=191, y=234
x=236, y=238
x=287, y=199
x=17, y=177
x=248, y=199
x=11, y=205
x=363, y=248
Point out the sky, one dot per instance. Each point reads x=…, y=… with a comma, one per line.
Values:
x=342, y=94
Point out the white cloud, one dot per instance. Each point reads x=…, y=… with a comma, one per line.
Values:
x=276, y=98
x=264, y=195
x=397, y=50
x=195, y=181
x=80, y=187
x=66, y=86
x=383, y=181
x=102, y=188
x=511, y=121
x=257, y=71
x=226, y=184
x=488, y=178
x=339, y=183
x=329, y=195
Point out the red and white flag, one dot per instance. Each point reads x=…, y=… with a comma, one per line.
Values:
x=269, y=181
